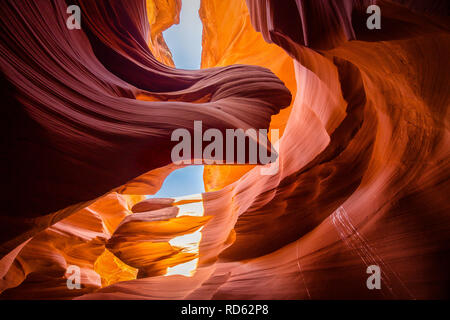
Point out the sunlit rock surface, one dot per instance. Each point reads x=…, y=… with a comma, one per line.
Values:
x=363, y=173
x=81, y=123
x=161, y=15
x=229, y=38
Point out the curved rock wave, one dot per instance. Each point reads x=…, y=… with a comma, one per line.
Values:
x=363, y=159
x=75, y=129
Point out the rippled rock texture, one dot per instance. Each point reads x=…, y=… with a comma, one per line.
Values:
x=363, y=160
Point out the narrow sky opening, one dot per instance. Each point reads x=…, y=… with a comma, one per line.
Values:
x=185, y=39
x=182, y=182
x=185, y=42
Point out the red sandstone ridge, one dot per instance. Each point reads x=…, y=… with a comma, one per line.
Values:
x=363, y=160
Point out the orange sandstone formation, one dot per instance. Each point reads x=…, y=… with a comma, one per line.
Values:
x=229, y=38
x=161, y=15
x=363, y=163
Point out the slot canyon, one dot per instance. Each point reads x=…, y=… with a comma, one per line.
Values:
x=363, y=162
